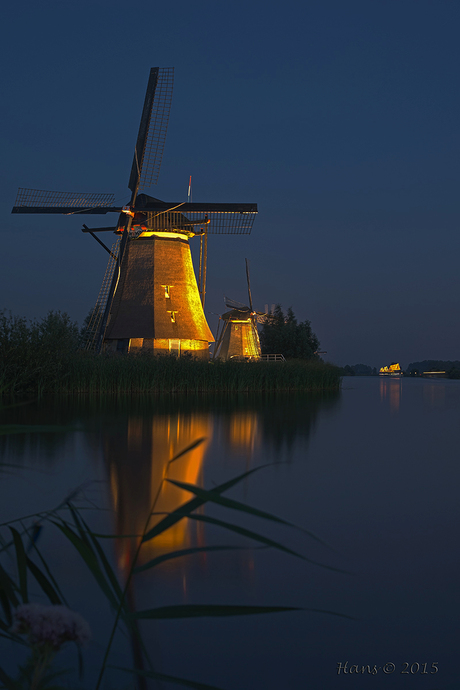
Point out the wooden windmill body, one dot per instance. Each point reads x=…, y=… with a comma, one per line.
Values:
x=239, y=338
x=149, y=300
x=157, y=306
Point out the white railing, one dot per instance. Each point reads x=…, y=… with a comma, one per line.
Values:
x=257, y=358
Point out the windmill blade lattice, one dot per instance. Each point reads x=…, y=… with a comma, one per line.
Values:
x=42, y=201
x=219, y=219
x=94, y=324
x=229, y=222
x=233, y=304
x=152, y=130
x=216, y=223
x=149, y=229
x=249, y=285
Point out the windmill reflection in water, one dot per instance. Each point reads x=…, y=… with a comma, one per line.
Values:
x=138, y=457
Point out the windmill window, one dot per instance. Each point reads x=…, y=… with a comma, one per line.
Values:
x=167, y=291
x=173, y=316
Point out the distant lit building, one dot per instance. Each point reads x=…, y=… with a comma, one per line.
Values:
x=393, y=370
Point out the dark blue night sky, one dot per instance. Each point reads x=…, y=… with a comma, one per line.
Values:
x=341, y=120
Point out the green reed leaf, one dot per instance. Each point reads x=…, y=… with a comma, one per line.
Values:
x=213, y=497
x=187, y=508
x=105, y=563
x=21, y=559
x=10, y=636
x=90, y=558
x=208, y=610
x=219, y=610
x=8, y=586
x=188, y=449
x=78, y=524
x=44, y=583
x=70, y=497
x=6, y=606
x=50, y=574
x=258, y=537
x=121, y=602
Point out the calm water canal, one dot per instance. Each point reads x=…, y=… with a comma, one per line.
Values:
x=372, y=471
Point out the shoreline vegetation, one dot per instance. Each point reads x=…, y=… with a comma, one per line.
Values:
x=46, y=357
x=85, y=373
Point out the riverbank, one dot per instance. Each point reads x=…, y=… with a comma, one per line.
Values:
x=85, y=373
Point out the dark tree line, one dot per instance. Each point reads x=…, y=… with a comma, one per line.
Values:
x=451, y=367
x=358, y=370
x=35, y=353
x=282, y=334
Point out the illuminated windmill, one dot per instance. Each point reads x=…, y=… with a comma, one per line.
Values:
x=238, y=337
x=149, y=299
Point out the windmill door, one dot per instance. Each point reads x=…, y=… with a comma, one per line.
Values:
x=174, y=346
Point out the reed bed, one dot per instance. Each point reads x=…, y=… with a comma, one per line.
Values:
x=87, y=374
x=45, y=357
x=84, y=373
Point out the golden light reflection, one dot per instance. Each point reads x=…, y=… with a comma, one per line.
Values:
x=138, y=449
x=391, y=391
x=170, y=435
x=138, y=456
x=243, y=431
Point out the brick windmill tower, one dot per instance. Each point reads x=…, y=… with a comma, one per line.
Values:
x=150, y=299
x=238, y=337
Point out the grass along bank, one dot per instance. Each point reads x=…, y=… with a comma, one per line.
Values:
x=84, y=373
x=46, y=357
x=134, y=374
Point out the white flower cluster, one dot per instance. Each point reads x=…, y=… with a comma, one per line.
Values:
x=50, y=624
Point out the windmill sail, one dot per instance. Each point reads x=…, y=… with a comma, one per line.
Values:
x=148, y=152
x=149, y=299
x=233, y=304
x=220, y=219
x=41, y=201
x=249, y=285
x=94, y=324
